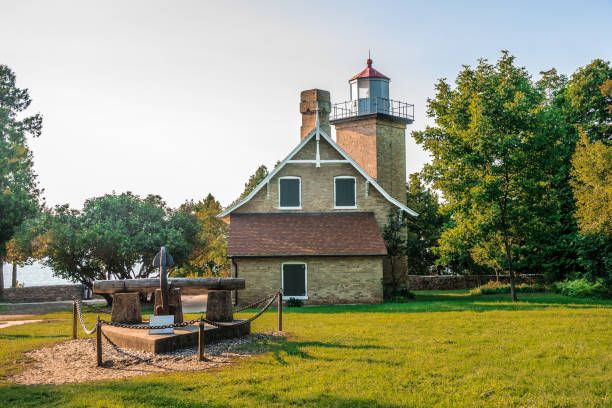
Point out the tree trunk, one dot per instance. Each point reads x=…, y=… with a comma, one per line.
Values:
x=510, y=268
x=1, y=275
x=14, y=281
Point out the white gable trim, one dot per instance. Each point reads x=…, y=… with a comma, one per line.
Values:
x=319, y=133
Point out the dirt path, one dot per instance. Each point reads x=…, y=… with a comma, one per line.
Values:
x=75, y=360
x=9, y=323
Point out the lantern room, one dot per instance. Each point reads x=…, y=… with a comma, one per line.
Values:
x=369, y=83
x=369, y=95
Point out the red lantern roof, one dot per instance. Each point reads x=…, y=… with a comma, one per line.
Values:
x=369, y=72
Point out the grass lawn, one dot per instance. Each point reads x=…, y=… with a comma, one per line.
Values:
x=444, y=349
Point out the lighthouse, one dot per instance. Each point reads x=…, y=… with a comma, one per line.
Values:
x=371, y=128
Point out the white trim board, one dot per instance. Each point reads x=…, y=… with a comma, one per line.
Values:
x=317, y=132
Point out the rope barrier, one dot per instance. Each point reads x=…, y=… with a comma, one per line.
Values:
x=77, y=303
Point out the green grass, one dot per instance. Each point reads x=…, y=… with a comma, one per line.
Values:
x=444, y=349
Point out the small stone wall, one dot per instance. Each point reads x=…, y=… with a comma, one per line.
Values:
x=448, y=282
x=49, y=293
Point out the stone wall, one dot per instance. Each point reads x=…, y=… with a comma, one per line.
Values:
x=50, y=293
x=448, y=282
x=330, y=280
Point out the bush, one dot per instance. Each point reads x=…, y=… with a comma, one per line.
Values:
x=583, y=288
x=494, y=288
x=293, y=302
x=397, y=295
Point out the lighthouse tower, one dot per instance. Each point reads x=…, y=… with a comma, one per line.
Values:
x=371, y=128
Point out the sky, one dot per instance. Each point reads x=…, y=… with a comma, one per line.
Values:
x=183, y=98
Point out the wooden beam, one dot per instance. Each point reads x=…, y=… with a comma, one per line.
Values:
x=190, y=284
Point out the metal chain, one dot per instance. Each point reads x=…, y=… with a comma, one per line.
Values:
x=241, y=322
x=78, y=303
x=182, y=324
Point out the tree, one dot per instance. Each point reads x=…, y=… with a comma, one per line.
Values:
x=395, y=240
x=490, y=155
x=423, y=231
x=22, y=246
x=592, y=183
x=114, y=236
x=253, y=181
x=209, y=256
x=19, y=191
x=588, y=103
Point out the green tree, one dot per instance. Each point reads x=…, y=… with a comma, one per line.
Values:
x=592, y=183
x=422, y=232
x=114, y=236
x=490, y=155
x=394, y=236
x=209, y=256
x=19, y=191
x=21, y=249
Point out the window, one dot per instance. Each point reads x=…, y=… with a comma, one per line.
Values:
x=364, y=89
x=289, y=193
x=294, y=280
x=345, y=192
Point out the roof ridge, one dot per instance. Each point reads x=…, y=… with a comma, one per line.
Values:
x=319, y=131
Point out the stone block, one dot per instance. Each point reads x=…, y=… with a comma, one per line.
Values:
x=174, y=299
x=219, y=306
x=126, y=308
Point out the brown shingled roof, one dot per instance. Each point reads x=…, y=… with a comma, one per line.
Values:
x=302, y=234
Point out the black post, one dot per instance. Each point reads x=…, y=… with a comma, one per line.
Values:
x=280, y=310
x=201, y=340
x=74, y=320
x=99, y=341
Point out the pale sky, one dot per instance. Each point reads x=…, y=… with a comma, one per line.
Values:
x=183, y=98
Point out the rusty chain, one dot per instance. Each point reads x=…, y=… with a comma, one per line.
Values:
x=270, y=299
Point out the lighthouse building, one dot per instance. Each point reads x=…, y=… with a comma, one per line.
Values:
x=313, y=226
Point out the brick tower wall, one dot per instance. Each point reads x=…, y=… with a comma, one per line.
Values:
x=379, y=147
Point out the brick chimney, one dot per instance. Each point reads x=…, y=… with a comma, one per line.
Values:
x=308, y=106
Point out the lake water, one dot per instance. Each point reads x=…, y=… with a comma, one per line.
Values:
x=32, y=275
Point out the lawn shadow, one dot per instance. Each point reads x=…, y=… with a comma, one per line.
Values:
x=459, y=301
x=280, y=346
x=4, y=336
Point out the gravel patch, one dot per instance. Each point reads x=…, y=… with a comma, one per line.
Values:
x=75, y=361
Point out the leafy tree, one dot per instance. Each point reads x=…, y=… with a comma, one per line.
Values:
x=588, y=103
x=592, y=183
x=114, y=236
x=209, y=256
x=423, y=231
x=490, y=155
x=253, y=181
x=22, y=246
x=19, y=191
x=394, y=236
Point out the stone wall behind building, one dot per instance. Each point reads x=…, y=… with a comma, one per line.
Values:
x=49, y=293
x=449, y=282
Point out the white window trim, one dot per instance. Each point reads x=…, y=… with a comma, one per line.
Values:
x=305, y=279
x=299, y=207
x=344, y=207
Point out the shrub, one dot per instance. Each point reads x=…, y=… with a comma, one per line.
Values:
x=293, y=302
x=583, y=288
x=397, y=295
x=494, y=287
